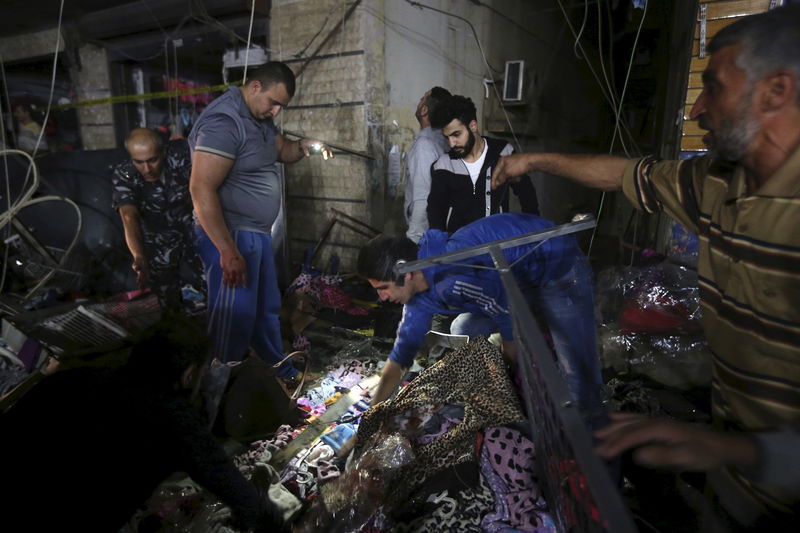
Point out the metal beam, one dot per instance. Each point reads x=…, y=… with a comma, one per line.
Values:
x=585, y=222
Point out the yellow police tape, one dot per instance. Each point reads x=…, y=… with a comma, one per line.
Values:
x=149, y=96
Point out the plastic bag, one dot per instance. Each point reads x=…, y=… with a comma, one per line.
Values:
x=346, y=504
x=651, y=324
x=679, y=361
x=661, y=299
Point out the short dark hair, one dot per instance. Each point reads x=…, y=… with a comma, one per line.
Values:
x=377, y=258
x=271, y=73
x=455, y=107
x=435, y=97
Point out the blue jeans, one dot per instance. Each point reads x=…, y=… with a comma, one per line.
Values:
x=567, y=305
x=244, y=317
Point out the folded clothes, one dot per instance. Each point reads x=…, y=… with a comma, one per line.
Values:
x=321, y=452
x=338, y=436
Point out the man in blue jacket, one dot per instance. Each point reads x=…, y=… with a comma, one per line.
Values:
x=554, y=276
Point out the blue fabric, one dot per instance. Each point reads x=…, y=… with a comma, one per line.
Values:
x=567, y=305
x=555, y=277
x=458, y=289
x=473, y=325
x=244, y=317
x=338, y=436
x=250, y=194
x=568, y=308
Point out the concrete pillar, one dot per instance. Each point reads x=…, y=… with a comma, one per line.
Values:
x=91, y=80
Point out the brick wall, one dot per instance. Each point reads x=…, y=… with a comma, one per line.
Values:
x=335, y=101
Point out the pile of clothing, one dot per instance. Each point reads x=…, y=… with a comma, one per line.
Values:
x=447, y=454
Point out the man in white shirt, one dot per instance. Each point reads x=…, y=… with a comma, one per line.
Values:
x=461, y=179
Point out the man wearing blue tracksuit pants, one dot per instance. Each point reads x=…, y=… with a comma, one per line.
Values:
x=554, y=276
x=236, y=196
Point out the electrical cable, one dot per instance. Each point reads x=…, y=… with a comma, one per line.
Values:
x=459, y=17
x=155, y=19
x=177, y=87
x=489, y=68
x=7, y=98
x=627, y=78
x=5, y=166
x=206, y=18
x=249, y=35
x=52, y=84
x=617, y=129
x=512, y=21
x=50, y=97
x=423, y=41
x=607, y=91
x=27, y=200
x=580, y=32
x=600, y=84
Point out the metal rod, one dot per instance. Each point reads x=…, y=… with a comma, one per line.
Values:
x=564, y=229
x=355, y=220
x=334, y=146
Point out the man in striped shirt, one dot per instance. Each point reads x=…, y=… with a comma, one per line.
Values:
x=743, y=201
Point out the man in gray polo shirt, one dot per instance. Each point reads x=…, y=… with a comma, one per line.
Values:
x=235, y=190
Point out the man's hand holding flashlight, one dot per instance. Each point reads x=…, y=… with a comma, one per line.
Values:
x=311, y=146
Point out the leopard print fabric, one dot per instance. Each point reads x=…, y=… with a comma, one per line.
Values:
x=474, y=377
x=459, y=512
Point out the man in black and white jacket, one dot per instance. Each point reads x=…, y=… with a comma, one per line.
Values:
x=461, y=179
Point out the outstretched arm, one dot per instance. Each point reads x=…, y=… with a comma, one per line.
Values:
x=135, y=240
x=390, y=379
x=595, y=171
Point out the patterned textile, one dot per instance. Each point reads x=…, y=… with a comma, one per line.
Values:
x=165, y=211
x=511, y=456
x=456, y=512
x=475, y=377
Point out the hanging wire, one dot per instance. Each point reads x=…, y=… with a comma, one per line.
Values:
x=627, y=78
x=467, y=22
x=176, y=122
x=580, y=32
x=7, y=232
x=607, y=90
x=25, y=198
x=7, y=99
x=489, y=68
x=167, y=79
x=249, y=35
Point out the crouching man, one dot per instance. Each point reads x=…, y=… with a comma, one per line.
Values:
x=554, y=276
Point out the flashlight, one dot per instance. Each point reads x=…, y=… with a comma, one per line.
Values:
x=315, y=148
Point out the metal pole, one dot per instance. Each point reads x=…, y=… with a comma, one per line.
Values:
x=586, y=222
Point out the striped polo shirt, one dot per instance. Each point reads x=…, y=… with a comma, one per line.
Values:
x=749, y=280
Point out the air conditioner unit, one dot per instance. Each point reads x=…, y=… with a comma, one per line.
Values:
x=512, y=88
